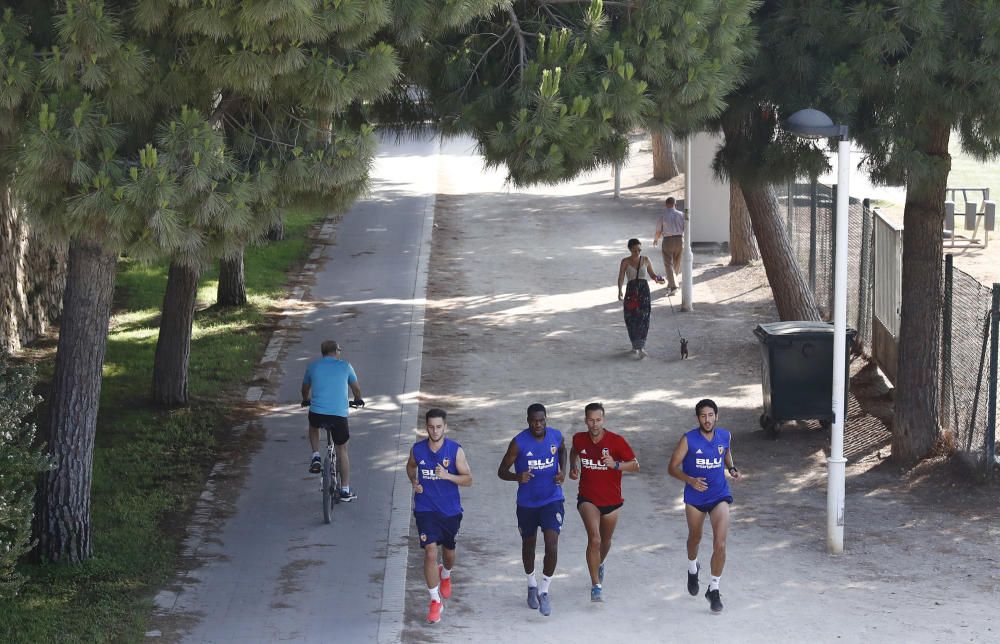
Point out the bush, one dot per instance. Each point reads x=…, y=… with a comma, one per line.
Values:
x=20, y=462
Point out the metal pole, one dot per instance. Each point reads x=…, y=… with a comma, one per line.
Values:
x=864, y=278
x=946, y=330
x=837, y=464
x=687, y=257
x=812, y=237
x=991, y=416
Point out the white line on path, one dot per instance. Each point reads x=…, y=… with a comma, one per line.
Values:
x=390, y=622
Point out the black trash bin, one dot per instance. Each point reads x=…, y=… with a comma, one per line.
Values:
x=797, y=371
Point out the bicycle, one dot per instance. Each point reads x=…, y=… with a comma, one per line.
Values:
x=330, y=485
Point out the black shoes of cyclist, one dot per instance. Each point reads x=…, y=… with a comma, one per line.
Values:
x=714, y=600
x=346, y=496
x=693, y=583
x=316, y=466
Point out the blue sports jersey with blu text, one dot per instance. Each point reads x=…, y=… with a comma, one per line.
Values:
x=542, y=458
x=707, y=459
x=439, y=495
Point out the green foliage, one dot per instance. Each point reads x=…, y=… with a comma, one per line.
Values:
x=553, y=89
x=20, y=462
x=150, y=465
x=911, y=68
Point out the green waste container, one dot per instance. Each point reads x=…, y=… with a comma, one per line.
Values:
x=797, y=371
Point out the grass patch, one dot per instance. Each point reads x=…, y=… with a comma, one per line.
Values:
x=150, y=465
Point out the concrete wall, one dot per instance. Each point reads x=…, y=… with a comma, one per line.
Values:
x=709, y=196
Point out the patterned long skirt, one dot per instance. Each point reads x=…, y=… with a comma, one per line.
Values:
x=636, y=306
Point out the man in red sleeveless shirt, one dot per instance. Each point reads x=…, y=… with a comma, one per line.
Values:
x=603, y=456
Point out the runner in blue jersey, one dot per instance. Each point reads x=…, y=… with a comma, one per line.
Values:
x=437, y=467
x=701, y=460
x=538, y=456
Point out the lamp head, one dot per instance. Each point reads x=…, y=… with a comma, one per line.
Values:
x=813, y=124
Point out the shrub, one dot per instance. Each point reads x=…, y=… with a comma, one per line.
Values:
x=20, y=462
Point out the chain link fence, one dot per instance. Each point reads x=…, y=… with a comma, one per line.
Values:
x=809, y=210
x=970, y=335
x=968, y=366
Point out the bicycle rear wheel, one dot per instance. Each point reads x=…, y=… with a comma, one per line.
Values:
x=327, y=486
x=335, y=479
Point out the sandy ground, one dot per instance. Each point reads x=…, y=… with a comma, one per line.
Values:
x=522, y=308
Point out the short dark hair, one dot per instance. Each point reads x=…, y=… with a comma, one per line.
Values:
x=594, y=406
x=633, y=242
x=328, y=347
x=533, y=407
x=706, y=402
x=669, y=201
x=436, y=413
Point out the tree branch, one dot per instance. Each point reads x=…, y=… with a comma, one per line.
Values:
x=519, y=33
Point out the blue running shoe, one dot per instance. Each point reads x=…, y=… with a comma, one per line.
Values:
x=532, y=596
x=544, y=607
x=595, y=594
x=600, y=574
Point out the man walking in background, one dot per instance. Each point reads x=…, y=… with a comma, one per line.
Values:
x=670, y=227
x=538, y=456
x=324, y=391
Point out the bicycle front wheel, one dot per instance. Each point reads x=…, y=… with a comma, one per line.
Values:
x=327, y=486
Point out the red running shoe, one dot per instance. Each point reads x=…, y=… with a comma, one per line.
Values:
x=445, y=584
x=434, y=612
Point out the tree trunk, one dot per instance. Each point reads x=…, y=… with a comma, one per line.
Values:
x=664, y=164
x=916, y=426
x=173, y=347
x=277, y=230
x=63, y=517
x=232, y=289
x=791, y=293
x=32, y=277
x=742, y=247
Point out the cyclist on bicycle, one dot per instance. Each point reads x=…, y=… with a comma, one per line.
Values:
x=324, y=391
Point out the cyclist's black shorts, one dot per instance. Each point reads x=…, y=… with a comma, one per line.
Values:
x=336, y=424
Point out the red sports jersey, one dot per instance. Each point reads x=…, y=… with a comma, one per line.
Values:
x=600, y=484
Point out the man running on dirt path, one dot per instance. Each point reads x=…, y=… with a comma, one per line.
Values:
x=436, y=468
x=698, y=461
x=538, y=455
x=604, y=455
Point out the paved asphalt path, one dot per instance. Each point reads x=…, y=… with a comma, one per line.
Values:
x=273, y=571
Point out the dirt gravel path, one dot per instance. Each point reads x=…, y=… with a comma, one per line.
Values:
x=522, y=308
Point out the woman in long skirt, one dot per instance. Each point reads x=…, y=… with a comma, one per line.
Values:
x=635, y=301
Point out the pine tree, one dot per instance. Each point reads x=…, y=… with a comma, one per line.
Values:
x=177, y=129
x=552, y=89
x=908, y=75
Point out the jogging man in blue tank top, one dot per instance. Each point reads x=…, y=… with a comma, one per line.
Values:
x=437, y=467
x=538, y=456
x=701, y=460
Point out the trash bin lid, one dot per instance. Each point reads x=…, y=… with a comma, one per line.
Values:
x=796, y=329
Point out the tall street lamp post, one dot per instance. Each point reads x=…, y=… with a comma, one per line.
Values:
x=813, y=124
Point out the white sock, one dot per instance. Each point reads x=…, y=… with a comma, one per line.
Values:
x=346, y=489
x=531, y=580
x=544, y=586
x=445, y=573
x=715, y=582
x=693, y=566
x=435, y=595
x=315, y=454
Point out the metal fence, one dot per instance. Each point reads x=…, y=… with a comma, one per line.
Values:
x=971, y=312
x=969, y=340
x=809, y=212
